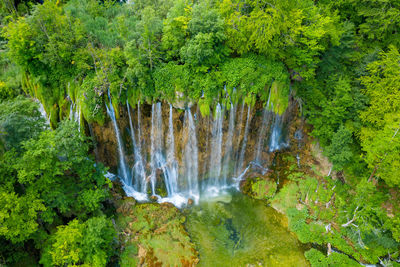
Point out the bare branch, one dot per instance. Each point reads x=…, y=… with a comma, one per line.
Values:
x=352, y=220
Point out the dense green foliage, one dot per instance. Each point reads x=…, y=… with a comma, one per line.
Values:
x=74, y=52
x=353, y=221
x=339, y=60
x=46, y=181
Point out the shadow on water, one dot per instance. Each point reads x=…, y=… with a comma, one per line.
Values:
x=235, y=230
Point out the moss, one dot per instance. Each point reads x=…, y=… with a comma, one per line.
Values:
x=54, y=116
x=63, y=108
x=126, y=258
x=279, y=97
x=153, y=234
x=317, y=258
x=204, y=108
x=263, y=189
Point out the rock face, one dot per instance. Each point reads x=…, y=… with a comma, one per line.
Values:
x=249, y=136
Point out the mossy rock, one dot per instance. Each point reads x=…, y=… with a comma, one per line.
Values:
x=259, y=188
x=279, y=97
x=263, y=189
x=153, y=235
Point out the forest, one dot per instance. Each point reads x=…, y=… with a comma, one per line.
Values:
x=85, y=82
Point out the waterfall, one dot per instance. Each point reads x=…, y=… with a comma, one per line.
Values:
x=138, y=169
x=172, y=163
x=157, y=158
x=244, y=143
x=157, y=161
x=239, y=178
x=191, y=157
x=228, y=145
x=275, y=142
x=174, y=174
x=207, y=148
x=262, y=134
x=136, y=181
x=240, y=122
x=238, y=138
x=263, y=130
x=43, y=111
x=71, y=111
x=122, y=164
x=75, y=113
x=139, y=149
x=78, y=117
x=216, y=147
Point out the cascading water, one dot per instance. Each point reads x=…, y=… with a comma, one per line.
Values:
x=157, y=160
x=276, y=141
x=216, y=150
x=244, y=143
x=239, y=130
x=139, y=150
x=229, y=145
x=71, y=111
x=191, y=161
x=171, y=170
x=261, y=136
x=175, y=158
x=43, y=111
x=138, y=169
x=75, y=113
x=263, y=130
x=172, y=164
x=122, y=165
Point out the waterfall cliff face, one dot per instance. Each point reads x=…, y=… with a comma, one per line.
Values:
x=174, y=155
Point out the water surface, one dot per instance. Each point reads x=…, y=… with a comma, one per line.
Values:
x=235, y=230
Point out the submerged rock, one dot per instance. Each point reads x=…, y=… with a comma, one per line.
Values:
x=154, y=198
x=153, y=235
x=242, y=232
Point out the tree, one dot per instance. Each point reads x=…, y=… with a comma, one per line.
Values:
x=88, y=243
x=20, y=120
x=339, y=150
x=381, y=121
x=205, y=47
x=19, y=215
x=56, y=168
x=149, y=28
x=294, y=32
x=377, y=22
x=175, y=30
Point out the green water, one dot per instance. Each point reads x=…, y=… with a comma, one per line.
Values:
x=235, y=230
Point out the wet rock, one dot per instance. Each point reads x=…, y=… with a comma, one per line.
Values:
x=154, y=198
x=190, y=202
x=167, y=205
x=181, y=102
